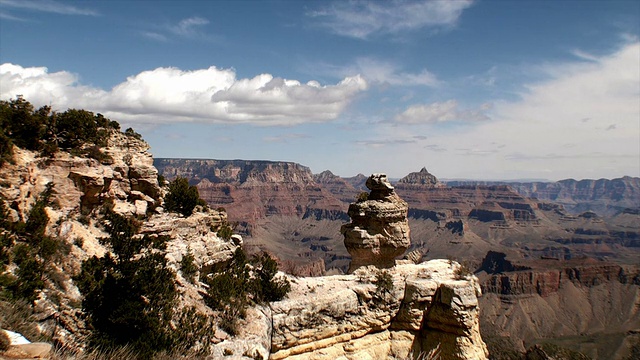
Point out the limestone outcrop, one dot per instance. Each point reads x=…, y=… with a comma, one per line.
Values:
x=379, y=229
x=426, y=310
x=128, y=180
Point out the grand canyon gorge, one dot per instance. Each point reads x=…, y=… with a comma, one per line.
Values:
x=555, y=260
x=319, y=180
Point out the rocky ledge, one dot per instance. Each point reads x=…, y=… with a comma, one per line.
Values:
x=428, y=309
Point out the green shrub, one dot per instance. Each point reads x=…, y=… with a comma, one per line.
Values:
x=269, y=289
x=232, y=289
x=132, y=133
x=363, y=196
x=225, y=232
x=384, y=284
x=129, y=294
x=188, y=267
x=78, y=131
x=194, y=331
x=182, y=197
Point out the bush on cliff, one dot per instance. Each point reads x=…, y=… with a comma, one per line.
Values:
x=129, y=294
x=80, y=132
x=182, y=197
x=29, y=248
x=232, y=289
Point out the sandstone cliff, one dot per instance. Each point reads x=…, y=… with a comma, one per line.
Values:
x=339, y=187
x=422, y=177
x=126, y=181
x=427, y=310
x=606, y=197
x=252, y=190
x=580, y=299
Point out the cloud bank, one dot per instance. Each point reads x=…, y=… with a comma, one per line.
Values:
x=581, y=121
x=170, y=95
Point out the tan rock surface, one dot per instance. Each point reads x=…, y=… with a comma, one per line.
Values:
x=347, y=316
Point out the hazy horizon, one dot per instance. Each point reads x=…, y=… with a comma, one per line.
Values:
x=468, y=89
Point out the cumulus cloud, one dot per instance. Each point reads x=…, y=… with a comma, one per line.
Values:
x=173, y=95
x=440, y=112
x=49, y=6
x=361, y=19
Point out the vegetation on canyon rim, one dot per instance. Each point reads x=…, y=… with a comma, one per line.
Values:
x=130, y=295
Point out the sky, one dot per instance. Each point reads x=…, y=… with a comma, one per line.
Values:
x=488, y=90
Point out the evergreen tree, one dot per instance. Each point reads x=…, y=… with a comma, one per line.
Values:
x=129, y=294
x=182, y=197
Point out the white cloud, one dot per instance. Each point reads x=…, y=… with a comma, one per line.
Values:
x=189, y=26
x=559, y=128
x=172, y=95
x=154, y=36
x=360, y=19
x=384, y=142
x=7, y=16
x=440, y=112
x=49, y=6
x=383, y=72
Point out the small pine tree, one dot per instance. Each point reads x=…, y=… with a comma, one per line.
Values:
x=182, y=197
x=188, y=267
x=268, y=288
x=384, y=284
x=129, y=294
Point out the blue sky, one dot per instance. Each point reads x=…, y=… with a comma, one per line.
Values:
x=469, y=89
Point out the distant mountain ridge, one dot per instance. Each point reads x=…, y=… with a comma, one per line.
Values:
x=252, y=189
x=603, y=196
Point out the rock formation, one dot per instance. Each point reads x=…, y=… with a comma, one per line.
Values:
x=350, y=317
x=337, y=186
x=422, y=177
x=128, y=180
x=81, y=187
x=251, y=190
x=379, y=229
x=604, y=196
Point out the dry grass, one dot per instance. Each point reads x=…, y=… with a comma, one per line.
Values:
x=123, y=353
x=17, y=316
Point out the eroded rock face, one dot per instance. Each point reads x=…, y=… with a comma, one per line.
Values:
x=81, y=185
x=350, y=317
x=379, y=230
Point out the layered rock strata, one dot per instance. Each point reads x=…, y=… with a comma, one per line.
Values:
x=379, y=229
x=251, y=190
x=427, y=310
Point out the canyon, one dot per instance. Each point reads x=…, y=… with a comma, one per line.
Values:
x=420, y=308
x=568, y=240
